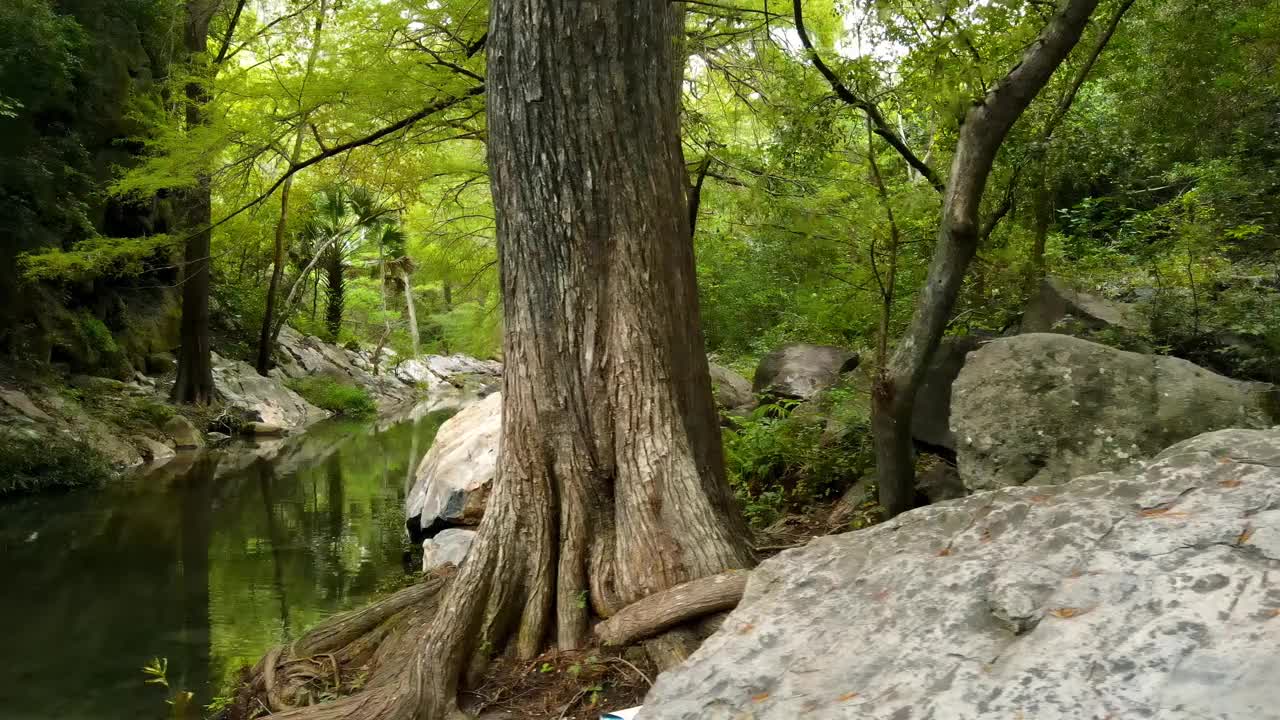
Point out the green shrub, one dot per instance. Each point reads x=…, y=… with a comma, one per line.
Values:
x=49, y=463
x=149, y=413
x=334, y=396
x=788, y=455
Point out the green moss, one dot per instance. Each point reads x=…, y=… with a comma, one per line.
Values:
x=334, y=396
x=49, y=463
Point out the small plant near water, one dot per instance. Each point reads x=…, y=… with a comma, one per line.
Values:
x=334, y=396
x=50, y=462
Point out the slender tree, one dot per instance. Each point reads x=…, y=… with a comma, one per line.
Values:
x=984, y=129
x=195, y=366
x=265, y=337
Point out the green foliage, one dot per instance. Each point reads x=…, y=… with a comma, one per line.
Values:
x=788, y=454
x=94, y=257
x=335, y=396
x=472, y=329
x=51, y=462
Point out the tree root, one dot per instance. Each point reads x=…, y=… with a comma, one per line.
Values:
x=673, y=607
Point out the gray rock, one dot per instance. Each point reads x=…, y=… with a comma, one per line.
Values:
x=184, y=434
x=266, y=399
x=940, y=482
x=1147, y=594
x=453, y=480
x=1057, y=301
x=931, y=421
x=261, y=428
x=161, y=363
x=19, y=401
x=153, y=452
x=215, y=438
x=1044, y=408
x=731, y=390
x=800, y=371
x=447, y=546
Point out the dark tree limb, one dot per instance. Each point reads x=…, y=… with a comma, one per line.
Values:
x=983, y=132
x=695, y=193
x=673, y=607
x=880, y=124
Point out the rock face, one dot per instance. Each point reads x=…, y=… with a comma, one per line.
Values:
x=800, y=371
x=1057, y=301
x=931, y=421
x=265, y=398
x=185, y=435
x=731, y=390
x=453, y=481
x=1044, y=408
x=1149, y=594
x=448, y=546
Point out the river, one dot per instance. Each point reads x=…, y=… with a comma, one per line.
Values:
x=204, y=562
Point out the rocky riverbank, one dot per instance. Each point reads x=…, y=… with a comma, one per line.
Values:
x=64, y=429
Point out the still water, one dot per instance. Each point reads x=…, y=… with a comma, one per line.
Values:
x=205, y=562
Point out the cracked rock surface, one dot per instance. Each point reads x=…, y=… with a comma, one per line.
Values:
x=1153, y=592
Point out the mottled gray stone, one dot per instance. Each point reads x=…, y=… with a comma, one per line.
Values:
x=1058, y=301
x=731, y=390
x=1151, y=593
x=185, y=435
x=1044, y=408
x=447, y=546
x=453, y=480
x=266, y=399
x=800, y=371
x=931, y=419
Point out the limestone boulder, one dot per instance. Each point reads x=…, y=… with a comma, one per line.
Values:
x=1043, y=408
x=446, y=547
x=184, y=434
x=1151, y=593
x=800, y=371
x=731, y=390
x=265, y=399
x=453, y=481
x=1059, y=304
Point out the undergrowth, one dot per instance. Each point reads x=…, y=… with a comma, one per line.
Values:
x=49, y=463
x=334, y=396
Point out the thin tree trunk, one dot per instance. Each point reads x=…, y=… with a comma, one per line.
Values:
x=265, y=337
x=1044, y=198
x=984, y=130
x=414, y=338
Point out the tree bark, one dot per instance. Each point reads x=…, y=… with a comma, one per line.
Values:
x=983, y=131
x=610, y=484
x=414, y=339
x=195, y=365
x=611, y=481
x=669, y=608
x=265, y=337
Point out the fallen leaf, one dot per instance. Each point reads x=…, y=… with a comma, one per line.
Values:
x=1245, y=535
x=847, y=696
x=1230, y=483
x=1275, y=613
x=745, y=628
x=1067, y=612
x=760, y=698
x=1038, y=498
x=1161, y=512
x=986, y=535
x=944, y=552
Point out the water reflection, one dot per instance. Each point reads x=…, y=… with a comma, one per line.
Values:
x=206, y=561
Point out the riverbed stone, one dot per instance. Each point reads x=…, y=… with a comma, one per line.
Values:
x=1043, y=408
x=801, y=370
x=1149, y=593
x=153, y=451
x=732, y=391
x=1059, y=304
x=19, y=401
x=446, y=547
x=262, y=428
x=265, y=399
x=184, y=433
x=453, y=480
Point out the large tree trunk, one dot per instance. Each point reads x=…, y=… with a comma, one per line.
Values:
x=610, y=484
x=195, y=364
x=983, y=131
